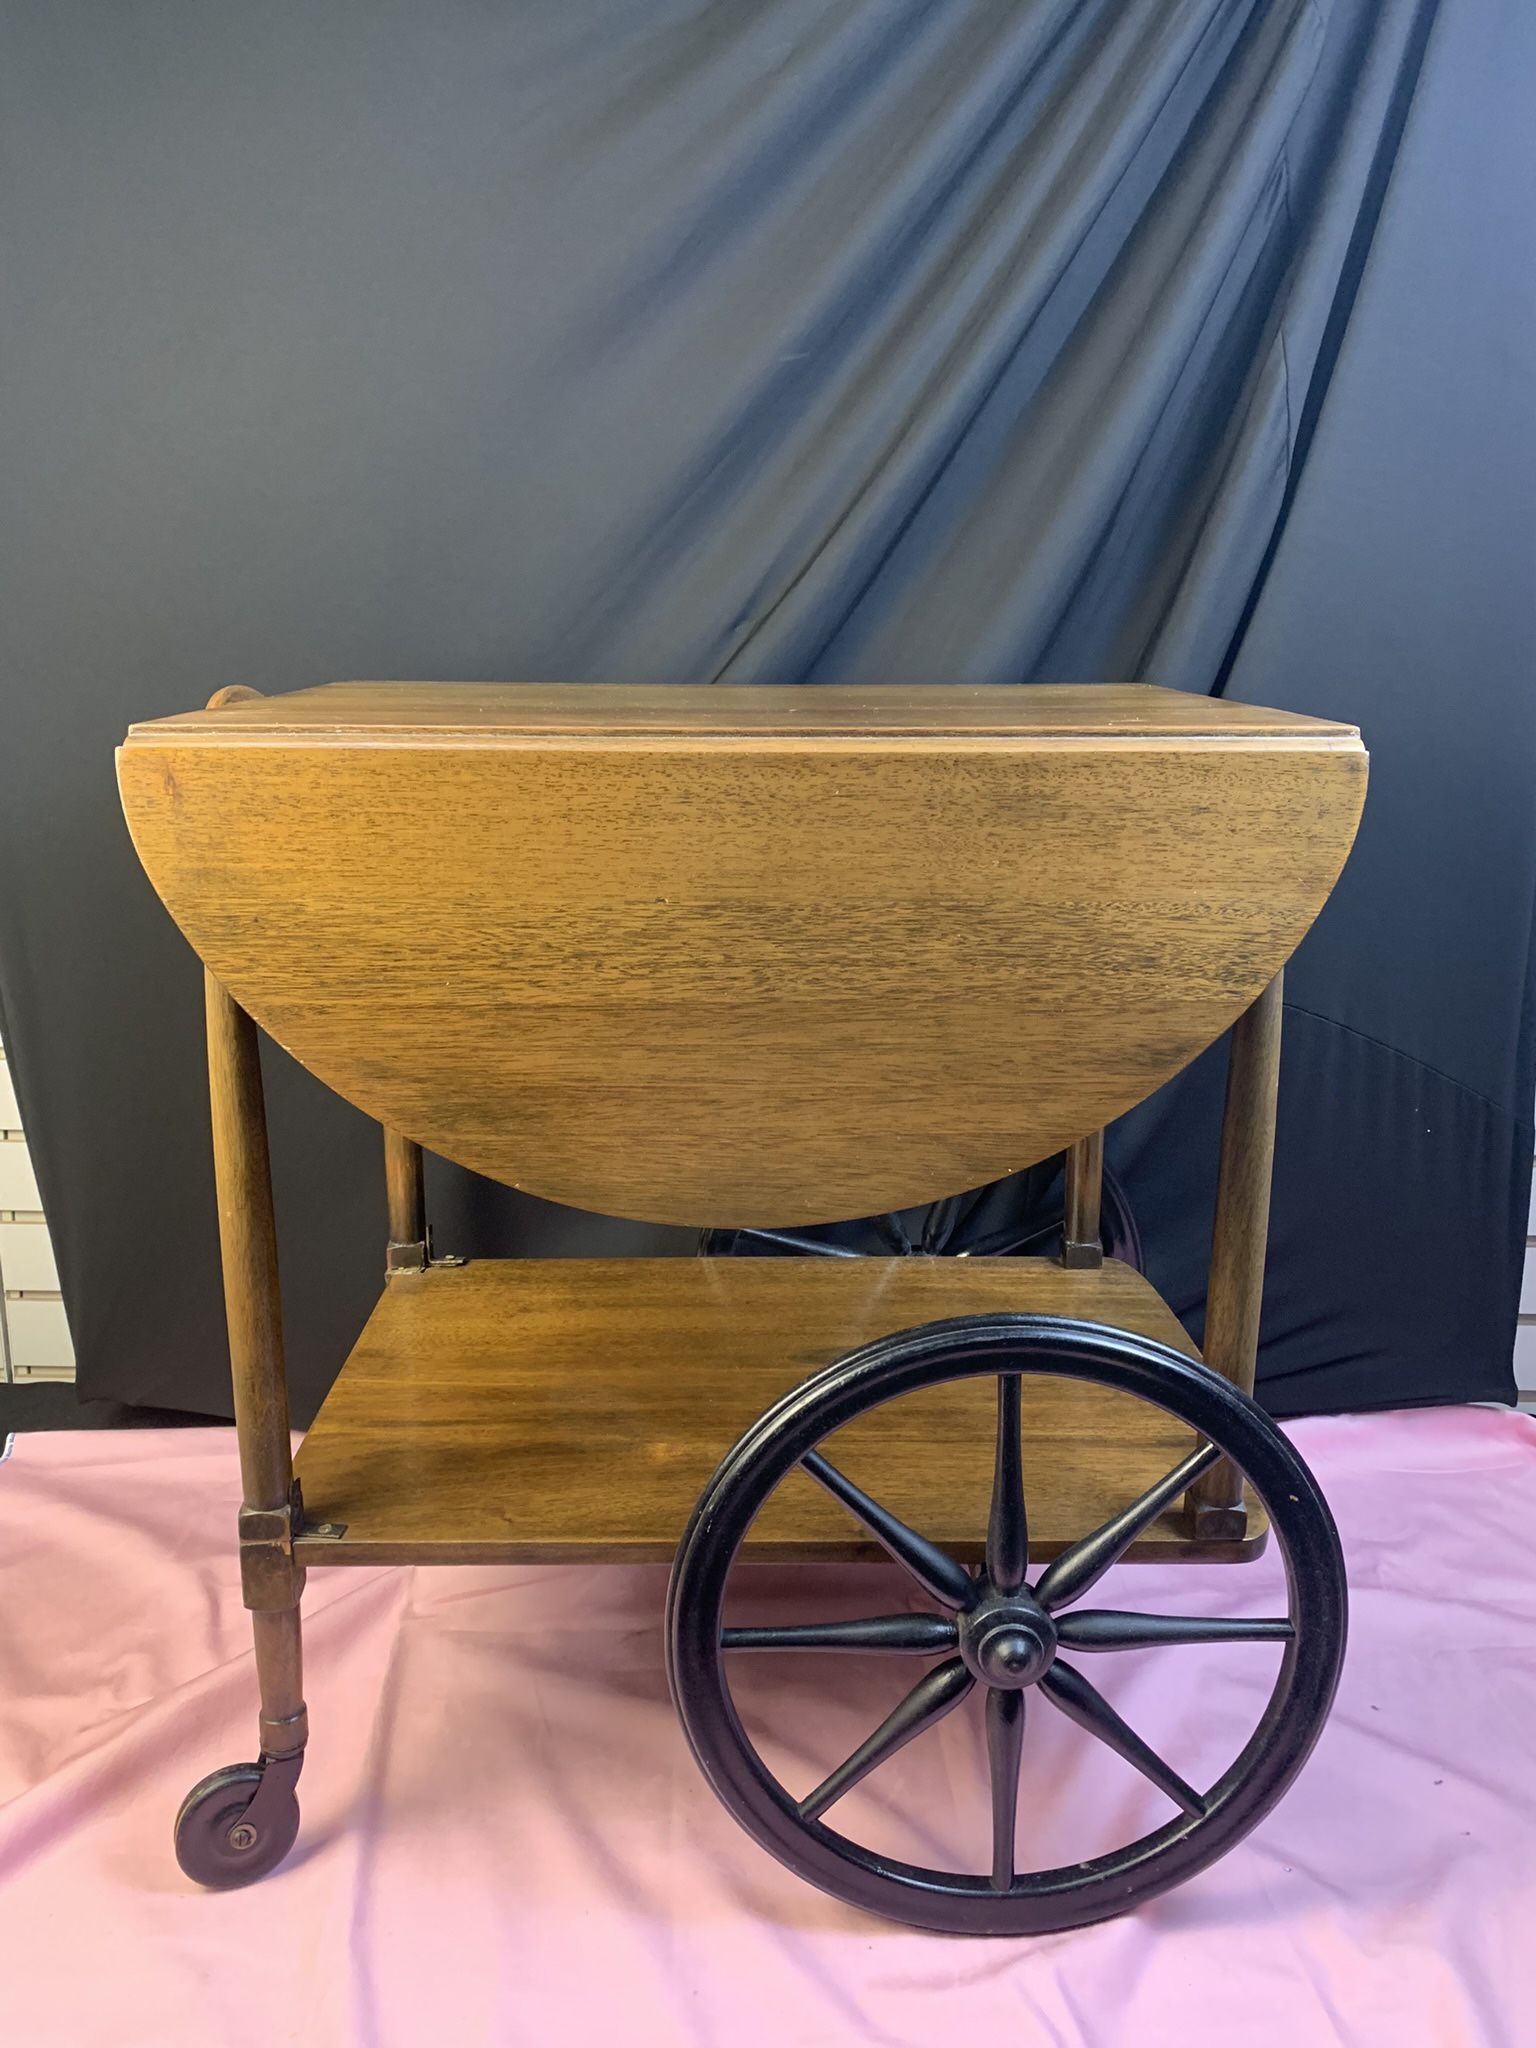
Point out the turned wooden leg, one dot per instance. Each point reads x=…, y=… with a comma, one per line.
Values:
x=405, y=1190
x=1081, y=1243
x=241, y=1821
x=272, y=1580
x=1235, y=1296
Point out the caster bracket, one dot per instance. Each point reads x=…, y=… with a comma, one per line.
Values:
x=279, y=1783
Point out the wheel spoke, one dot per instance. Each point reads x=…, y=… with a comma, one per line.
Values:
x=1087, y=1561
x=929, y=1700
x=938, y=1224
x=817, y=1247
x=1005, y=1738
x=1007, y=1525
x=1087, y=1706
x=895, y=1233
x=925, y=1634
x=965, y=1207
x=998, y=1243
x=937, y=1573
x=1106, y=1628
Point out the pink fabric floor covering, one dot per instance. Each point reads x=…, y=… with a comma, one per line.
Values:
x=505, y=1840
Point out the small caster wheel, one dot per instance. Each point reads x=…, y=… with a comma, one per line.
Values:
x=239, y=1823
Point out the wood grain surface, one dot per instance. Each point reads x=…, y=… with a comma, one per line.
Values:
x=414, y=714
x=569, y=1409
x=830, y=953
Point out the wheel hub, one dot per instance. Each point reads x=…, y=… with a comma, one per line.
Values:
x=1007, y=1642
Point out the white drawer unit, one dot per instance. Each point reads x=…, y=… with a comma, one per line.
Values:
x=1525, y=1330
x=1525, y=1363
x=34, y=1332
x=26, y=1259
x=18, y=1183
x=38, y=1334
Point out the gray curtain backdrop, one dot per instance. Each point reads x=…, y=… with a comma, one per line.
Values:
x=1180, y=340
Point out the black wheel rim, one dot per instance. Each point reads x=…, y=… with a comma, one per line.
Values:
x=1076, y=1894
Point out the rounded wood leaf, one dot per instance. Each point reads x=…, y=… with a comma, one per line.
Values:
x=742, y=956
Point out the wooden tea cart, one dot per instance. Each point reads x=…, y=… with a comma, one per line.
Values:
x=762, y=958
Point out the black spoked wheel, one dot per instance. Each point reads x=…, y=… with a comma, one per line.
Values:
x=992, y=1633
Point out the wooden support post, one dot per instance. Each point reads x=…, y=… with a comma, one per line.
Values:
x=280, y=1674
x=272, y=1580
x=1081, y=1244
x=1235, y=1294
x=248, y=1241
x=405, y=1187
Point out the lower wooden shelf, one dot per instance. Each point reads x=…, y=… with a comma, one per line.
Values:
x=573, y=1409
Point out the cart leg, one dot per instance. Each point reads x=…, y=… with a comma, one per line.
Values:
x=239, y=1823
x=1082, y=1244
x=405, y=1188
x=1236, y=1292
